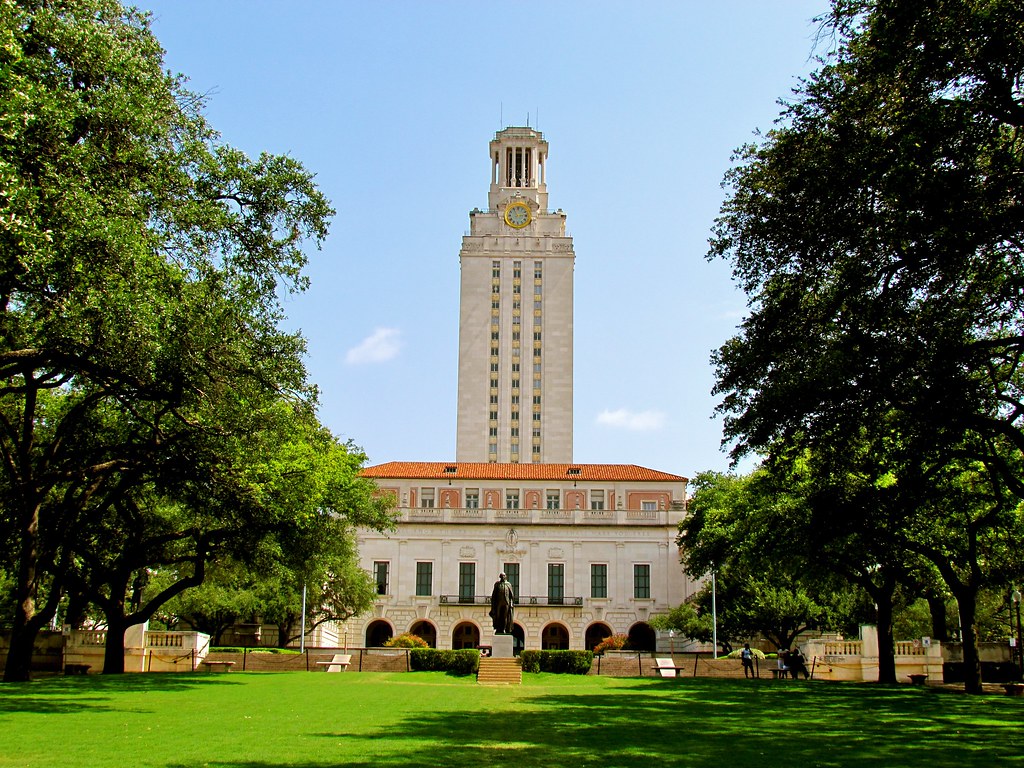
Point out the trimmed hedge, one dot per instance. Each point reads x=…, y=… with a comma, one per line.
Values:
x=464, y=662
x=559, y=662
x=254, y=649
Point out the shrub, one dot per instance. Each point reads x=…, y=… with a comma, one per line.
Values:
x=407, y=640
x=464, y=662
x=736, y=654
x=559, y=662
x=612, y=643
x=256, y=649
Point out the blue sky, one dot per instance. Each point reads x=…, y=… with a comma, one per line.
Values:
x=392, y=105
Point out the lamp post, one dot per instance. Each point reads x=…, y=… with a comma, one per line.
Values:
x=714, y=618
x=1015, y=596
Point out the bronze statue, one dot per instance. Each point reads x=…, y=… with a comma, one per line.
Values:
x=502, y=606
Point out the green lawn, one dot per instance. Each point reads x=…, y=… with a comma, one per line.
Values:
x=428, y=719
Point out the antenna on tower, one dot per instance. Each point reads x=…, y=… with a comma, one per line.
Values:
x=501, y=116
x=536, y=118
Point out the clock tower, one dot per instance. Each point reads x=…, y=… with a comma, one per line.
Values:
x=516, y=315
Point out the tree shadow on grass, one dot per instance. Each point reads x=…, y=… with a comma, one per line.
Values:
x=699, y=723
x=59, y=694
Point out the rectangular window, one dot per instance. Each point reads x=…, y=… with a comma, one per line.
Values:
x=512, y=573
x=473, y=496
x=494, y=337
x=494, y=415
x=649, y=506
x=494, y=383
x=495, y=269
x=556, y=583
x=495, y=304
x=553, y=499
x=512, y=499
x=467, y=582
x=380, y=575
x=597, y=500
x=599, y=580
x=494, y=399
x=536, y=417
x=492, y=432
x=424, y=579
x=537, y=269
x=427, y=498
x=641, y=581
x=517, y=269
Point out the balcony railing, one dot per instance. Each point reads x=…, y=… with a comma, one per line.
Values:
x=525, y=600
x=653, y=517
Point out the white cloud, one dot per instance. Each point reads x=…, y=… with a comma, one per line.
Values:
x=379, y=347
x=642, y=421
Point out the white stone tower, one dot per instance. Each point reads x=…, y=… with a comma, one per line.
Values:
x=515, y=319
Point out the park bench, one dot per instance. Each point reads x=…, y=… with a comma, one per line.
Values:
x=917, y=679
x=76, y=669
x=218, y=666
x=339, y=663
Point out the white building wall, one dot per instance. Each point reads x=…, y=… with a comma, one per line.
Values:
x=490, y=538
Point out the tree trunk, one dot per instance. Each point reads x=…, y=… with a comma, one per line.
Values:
x=966, y=600
x=886, y=641
x=113, y=650
x=937, y=609
x=26, y=623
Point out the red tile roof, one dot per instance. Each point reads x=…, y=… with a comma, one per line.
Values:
x=435, y=470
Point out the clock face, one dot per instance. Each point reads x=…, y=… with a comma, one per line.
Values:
x=517, y=215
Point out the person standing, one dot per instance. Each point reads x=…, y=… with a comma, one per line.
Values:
x=796, y=663
x=747, y=657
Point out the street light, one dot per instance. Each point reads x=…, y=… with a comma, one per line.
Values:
x=1015, y=596
x=714, y=618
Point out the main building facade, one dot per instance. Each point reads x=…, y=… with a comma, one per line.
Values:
x=589, y=548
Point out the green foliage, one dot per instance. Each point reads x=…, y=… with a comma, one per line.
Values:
x=756, y=651
x=558, y=662
x=159, y=412
x=877, y=233
x=407, y=640
x=750, y=533
x=236, y=649
x=461, y=662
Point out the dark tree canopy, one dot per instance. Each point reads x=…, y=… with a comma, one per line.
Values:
x=877, y=231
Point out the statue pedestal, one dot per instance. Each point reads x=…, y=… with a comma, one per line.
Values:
x=501, y=647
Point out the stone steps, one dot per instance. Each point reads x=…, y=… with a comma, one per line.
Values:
x=500, y=672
